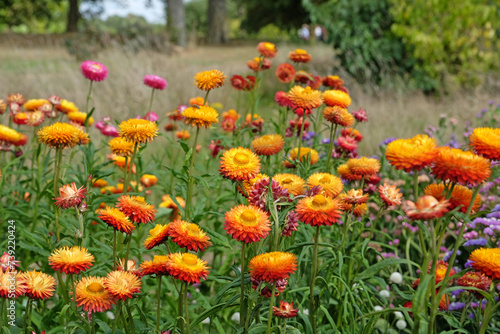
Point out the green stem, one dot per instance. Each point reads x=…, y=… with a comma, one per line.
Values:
x=82, y=227
x=242, y=287
x=130, y=318
x=128, y=170
x=415, y=185
x=57, y=172
x=434, y=252
x=117, y=315
x=313, y=279
x=345, y=230
x=88, y=98
x=189, y=197
x=27, y=322
x=300, y=137
x=271, y=304
x=333, y=133
x=179, y=313
x=158, y=304
x=186, y=307
x=150, y=104
x=114, y=249
x=488, y=313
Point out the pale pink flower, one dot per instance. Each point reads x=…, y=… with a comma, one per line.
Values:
x=94, y=71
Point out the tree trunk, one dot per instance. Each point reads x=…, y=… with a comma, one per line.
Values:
x=73, y=16
x=217, y=30
x=176, y=22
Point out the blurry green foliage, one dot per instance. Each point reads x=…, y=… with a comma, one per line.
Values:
x=453, y=42
x=360, y=32
x=271, y=32
x=26, y=16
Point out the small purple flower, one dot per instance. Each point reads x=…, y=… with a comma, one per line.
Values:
x=476, y=242
x=325, y=141
x=491, y=102
x=387, y=141
x=456, y=306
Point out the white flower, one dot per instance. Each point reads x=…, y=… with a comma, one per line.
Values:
x=378, y=308
x=207, y=320
x=110, y=315
x=304, y=311
x=356, y=288
x=396, y=278
x=236, y=317
x=398, y=315
x=385, y=294
x=401, y=324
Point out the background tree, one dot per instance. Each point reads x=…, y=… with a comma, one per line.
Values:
x=217, y=22
x=176, y=21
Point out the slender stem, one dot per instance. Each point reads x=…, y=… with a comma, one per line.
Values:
x=434, y=253
x=179, y=313
x=128, y=175
x=128, y=252
x=191, y=179
x=150, y=104
x=313, y=279
x=333, y=133
x=186, y=307
x=117, y=315
x=27, y=316
x=345, y=230
x=488, y=313
x=114, y=249
x=415, y=185
x=130, y=318
x=82, y=227
x=242, y=287
x=271, y=304
x=57, y=172
x=158, y=304
x=300, y=136
x=88, y=97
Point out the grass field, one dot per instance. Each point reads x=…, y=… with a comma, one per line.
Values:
x=40, y=72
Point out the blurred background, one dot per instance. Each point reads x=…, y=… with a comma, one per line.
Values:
x=406, y=62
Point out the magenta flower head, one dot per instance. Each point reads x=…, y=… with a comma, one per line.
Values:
x=155, y=82
x=150, y=116
x=94, y=71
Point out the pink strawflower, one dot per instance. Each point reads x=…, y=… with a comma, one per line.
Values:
x=360, y=115
x=291, y=224
x=150, y=116
x=106, y=128
x=155, y=82
x=55, y=100
x=70, y=196
x=94, y=71
x=7, y=262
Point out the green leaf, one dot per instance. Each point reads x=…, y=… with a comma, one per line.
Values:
x=207, y=313
x=371, y=271
x=104, y=326
x=217, y=239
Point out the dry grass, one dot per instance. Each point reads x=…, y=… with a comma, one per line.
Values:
x=42, y=72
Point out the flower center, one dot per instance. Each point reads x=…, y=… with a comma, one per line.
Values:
x=287, y=181
x=319, y=202
x=269, y=46
x=300, y=51
x=189, y=258
x=95, y=287
x=95, y=67
x=241, y=158
x=324, y=179
x=193, y=229
x=248, y=218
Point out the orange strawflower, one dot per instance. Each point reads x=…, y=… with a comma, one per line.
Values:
x=299, y=56
x=131, y=267
x=239, y=164
x=285, y=310
x=35, y=118
x=71, y=260
x=248, y=184
x=138, y=131
x=9, y=135
x=148, y=180
x=475, y=279
x=200, y=116
x=337, y=98
x=487, y=261
x=412, y=154
x=117, y=219
x=121, y=147
x=293, y=183
x=333, y=81
x=186, y=267
x=318, y=210
x=306, y=98
x=267, y=50
x=247, y=223
x=12, y=282
x=183, y=134
x=34, y=104
x=268, y=144
x=59, y=135
x=460, y=196
x=79, y=117
x=346, y=173
x=136, y=209
x=460, y=166
x=66, y=106
x=157, y=236
x=426, y=207
x=209, y=79
x=122, y=284
x=272, y=266
x=155, y=267
x=188, y=235
x=355, y=196
x=38, y=285
x=441, y=268
x=390, y=194
x=285, y=73
x=99, y=183
x=170, y=204
x=364, y=166
x=331, y=185
x=305, y=153
x=338, y=115
x=486, y=142
x=92, y=295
